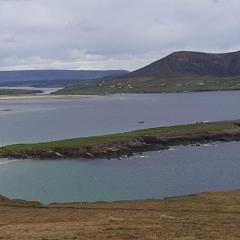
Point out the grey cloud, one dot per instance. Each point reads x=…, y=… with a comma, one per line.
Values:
x=106, y=34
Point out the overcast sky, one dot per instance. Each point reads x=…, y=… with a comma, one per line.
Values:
x=112, y=34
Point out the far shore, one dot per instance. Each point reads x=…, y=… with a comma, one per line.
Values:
x=93, y=95
x=42, y=97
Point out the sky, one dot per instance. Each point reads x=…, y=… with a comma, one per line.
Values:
x=112, y=34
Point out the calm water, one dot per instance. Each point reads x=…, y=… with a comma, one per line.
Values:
x=156, y=175
x=43, y=120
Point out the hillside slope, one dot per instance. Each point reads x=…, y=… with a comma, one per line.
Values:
x=178, y=72
x=182, y=64
x=205, y=216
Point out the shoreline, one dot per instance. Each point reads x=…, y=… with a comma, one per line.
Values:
x=23, y=202
x=78, y=96
x=128, y=143
x=150, y=92
x=43, y=97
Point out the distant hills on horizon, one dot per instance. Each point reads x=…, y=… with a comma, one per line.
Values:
x=54, y=77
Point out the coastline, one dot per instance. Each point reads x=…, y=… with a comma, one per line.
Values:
x=43, y=97
x=127, y=144
x=93, y=95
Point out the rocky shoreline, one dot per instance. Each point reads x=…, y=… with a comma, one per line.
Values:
x=128, y=148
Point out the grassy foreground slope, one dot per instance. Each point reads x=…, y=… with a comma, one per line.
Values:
x=203, y=216
x=116, y=145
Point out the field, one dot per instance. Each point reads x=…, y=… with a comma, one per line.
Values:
x=204, y=216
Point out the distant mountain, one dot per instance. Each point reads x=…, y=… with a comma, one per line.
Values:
x=178, y=72
x=182, y=64
x=54, y=77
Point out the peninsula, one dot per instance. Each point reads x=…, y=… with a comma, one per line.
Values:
x=128, y=143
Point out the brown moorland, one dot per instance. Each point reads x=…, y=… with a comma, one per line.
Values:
x=202, y=216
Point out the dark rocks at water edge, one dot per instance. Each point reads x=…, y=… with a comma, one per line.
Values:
x=117, y=150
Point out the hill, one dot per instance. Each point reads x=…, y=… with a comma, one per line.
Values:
x=177, y=72
x=183, y=64
x=53, y=77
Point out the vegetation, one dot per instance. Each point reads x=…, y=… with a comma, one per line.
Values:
x=153, y=85
x=98, y=142
x=177, y=72
x=201, y=216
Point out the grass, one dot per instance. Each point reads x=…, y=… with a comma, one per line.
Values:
x=164, y=132
x=202, y=216
x=25, y=203
x=154, y=85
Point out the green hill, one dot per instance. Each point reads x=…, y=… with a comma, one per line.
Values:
x=178, y=72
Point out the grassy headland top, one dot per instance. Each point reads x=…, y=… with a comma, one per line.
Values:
x=127, y=143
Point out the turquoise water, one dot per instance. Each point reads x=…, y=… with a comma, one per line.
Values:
x=185, y=170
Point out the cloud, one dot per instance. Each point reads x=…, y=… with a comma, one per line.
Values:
x=111, y=34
